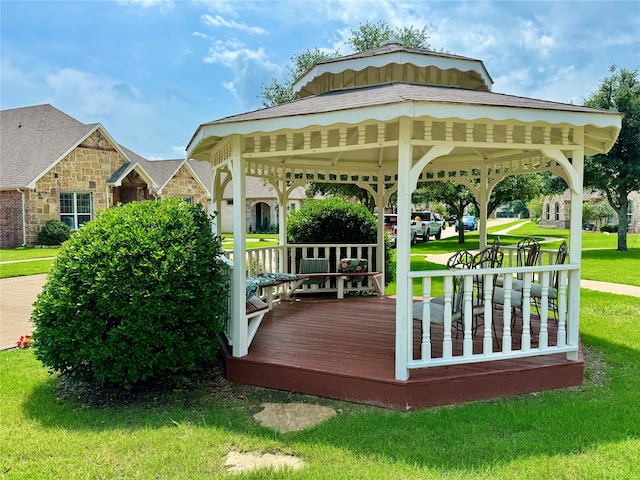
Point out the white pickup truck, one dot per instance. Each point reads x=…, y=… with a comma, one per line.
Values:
x=427, y=224
x=423, y=226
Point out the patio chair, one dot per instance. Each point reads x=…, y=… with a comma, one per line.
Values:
x=460, y=260
x=490, y=257
x=536, y=288
x=313, y=267
x=526, y=256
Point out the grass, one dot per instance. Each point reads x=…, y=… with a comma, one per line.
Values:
x=18, y=269
x=600, y=259
x=26, y=253
x=591, y=431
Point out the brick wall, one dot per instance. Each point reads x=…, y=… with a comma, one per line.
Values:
x=11, y=219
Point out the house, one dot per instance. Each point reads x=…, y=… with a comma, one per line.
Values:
x=556, y=213
x=54, y=167
x=262, y=205
x=387, y=119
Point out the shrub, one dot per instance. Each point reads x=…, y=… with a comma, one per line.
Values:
x=331, y=221
x=610, y=228
x=53, y=232
x=337, y=221
x=137, y=294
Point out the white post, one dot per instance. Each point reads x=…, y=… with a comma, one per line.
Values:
x=283, y=200
x=575, y=253
x=403, y=263
x=380, y=257
x=239, y=325
x=483, y=201
x=216, y=201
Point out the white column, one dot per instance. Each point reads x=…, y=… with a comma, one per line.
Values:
x=483, y=201
x=380, y=203
x=216, y=201
x=283, y=201
x=239, y=326
x=575, y=254
x=404, y=295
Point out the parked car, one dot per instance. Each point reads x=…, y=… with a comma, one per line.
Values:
x=425, y=225
x=469, y=222
x=391, y=227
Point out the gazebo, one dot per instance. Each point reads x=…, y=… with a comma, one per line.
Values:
x=386, y=120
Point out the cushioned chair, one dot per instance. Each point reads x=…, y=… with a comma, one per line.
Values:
x=314, y=265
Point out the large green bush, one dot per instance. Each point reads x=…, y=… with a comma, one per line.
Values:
x=334, y=220
x=53, y=232
x=137, y=294
x=331, y=221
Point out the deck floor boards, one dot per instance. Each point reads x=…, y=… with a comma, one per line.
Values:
x=345, y=349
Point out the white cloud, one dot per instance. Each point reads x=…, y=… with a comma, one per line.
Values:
x=515, y=82
x=250, y=69
x=533, y=39
x=218, y=21
x=139, y=5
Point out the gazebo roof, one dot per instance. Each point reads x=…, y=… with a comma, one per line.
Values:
x=388, y=101
x=392, y=62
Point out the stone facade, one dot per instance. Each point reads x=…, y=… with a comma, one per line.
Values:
x=86, y=169
x=556, y=210
x=185, y=185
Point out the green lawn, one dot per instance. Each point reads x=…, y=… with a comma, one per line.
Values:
x=592, y=431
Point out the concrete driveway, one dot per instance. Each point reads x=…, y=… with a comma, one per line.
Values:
x=17, y=295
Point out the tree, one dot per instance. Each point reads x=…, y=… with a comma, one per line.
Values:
x=276, y=93
x=456, y=196
x=617, y=173
x=515, y=187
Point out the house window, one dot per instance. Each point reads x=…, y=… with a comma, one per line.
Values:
x=630, y=213
x=189, y=200
x=548, y=212
x=229, y=202
x=75, y=209
x=557, y=212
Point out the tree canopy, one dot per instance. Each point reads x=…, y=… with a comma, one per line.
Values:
x=617, y=173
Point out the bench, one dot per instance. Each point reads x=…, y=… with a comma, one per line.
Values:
x=256, y=309
x=267, y=281
x=350, y=269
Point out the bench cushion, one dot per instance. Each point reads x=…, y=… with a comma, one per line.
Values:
x=352, y=265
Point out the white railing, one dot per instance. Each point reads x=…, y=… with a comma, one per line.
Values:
x=286, y=259
x=502, y=347
x=262, y=259
x=334, y=252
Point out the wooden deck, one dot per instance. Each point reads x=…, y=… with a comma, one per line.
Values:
x=344, y=349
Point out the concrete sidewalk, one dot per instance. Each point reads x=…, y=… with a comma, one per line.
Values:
x=18, y=294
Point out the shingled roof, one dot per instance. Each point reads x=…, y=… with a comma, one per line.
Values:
x=398, y=93
x=33, y=140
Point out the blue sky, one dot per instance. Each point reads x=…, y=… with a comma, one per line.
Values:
x=151, y=71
